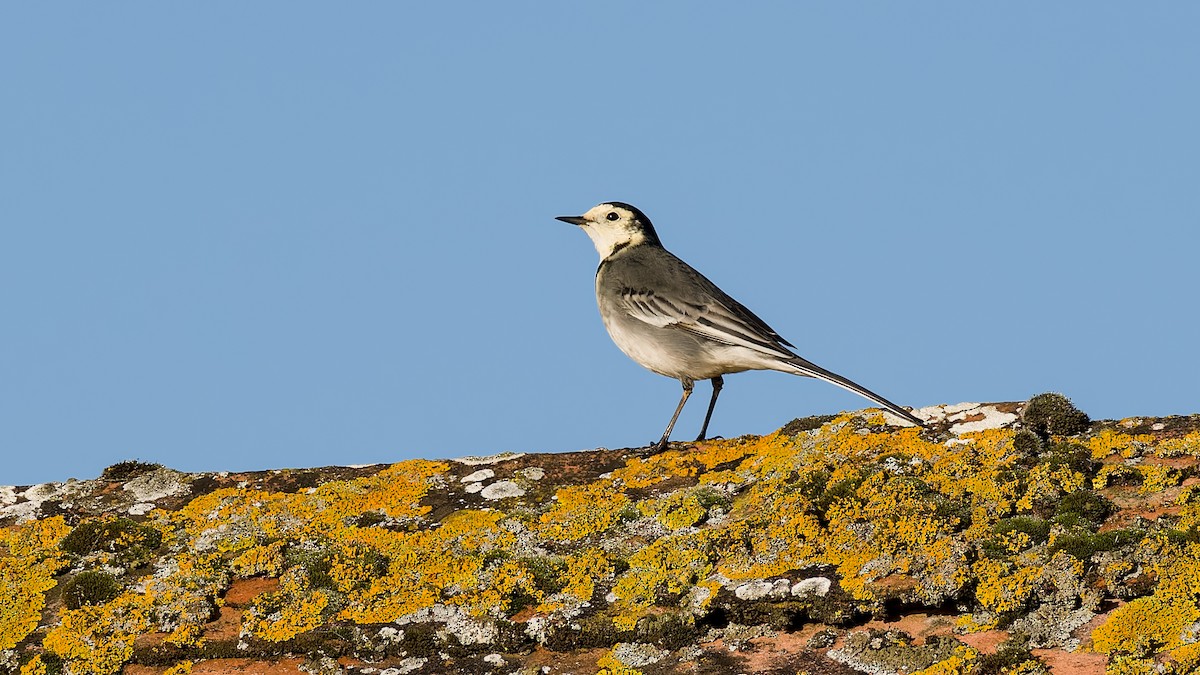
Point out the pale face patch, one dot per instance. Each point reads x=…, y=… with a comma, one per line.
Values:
x=608, y=233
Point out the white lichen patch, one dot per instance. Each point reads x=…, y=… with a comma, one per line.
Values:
x=156, y=485
x=458, y=623
x=818, y=586
x=637, y=654
x=502, y=490
x=477, y=476
x=754, y=590
x=473, y=460
x=992, y=419
x=140, y=509
x=533, y=473
x=391, y=635
x=8, y=495
x=409, y=665
x=472, y=488
x=36, y=495
x=967, y=416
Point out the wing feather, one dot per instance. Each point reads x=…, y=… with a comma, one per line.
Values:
x=714, y=320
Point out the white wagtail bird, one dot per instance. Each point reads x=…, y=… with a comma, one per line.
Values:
x=675, y=322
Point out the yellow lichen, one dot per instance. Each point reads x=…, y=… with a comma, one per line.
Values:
x=584, y=570
x=894, y=514
x=1156, y=478
x=99, y=638
x=1109, y=442
x=583, y=511
x=35, y=666
x=609, y=664
x=266, y=560
x=1047, y=481
x=668, y=566
x=181, y=668
x=1177, y=447
x=962, y=659
x=281, y=615
x=1159, y=622
x=29, y=559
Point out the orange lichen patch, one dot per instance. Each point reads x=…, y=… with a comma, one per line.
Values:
x=29, y=559
x=259, y=560
x=1112, y=442
x=282, y=615
x=917, y=517
x=1188, y=444
x=1002, y=586
x=962, y=659
x=35, y=666
x=972, y=469
x=677, y=510
x=1156, y=478
x=779, y=534
x=422, y=565
x=99, y=638
x=1047, y=481
x=582, y=511
x=904, y=528
x=1161, y=622
x=583, y=571
x=610, y=665
x=668, y=566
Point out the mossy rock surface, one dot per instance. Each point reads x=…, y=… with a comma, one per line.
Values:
x=836, y=545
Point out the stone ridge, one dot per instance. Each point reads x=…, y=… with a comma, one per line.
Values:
x=1006, y=538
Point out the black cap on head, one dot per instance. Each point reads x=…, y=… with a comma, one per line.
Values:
x=642, y=218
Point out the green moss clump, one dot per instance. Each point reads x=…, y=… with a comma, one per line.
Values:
x=90, y=588
x=1037, y=529
x=53, y=663
x=802, y=424
x=1054, y=414
x=846, y=488
x=1075, y=457
x=132, y=542
x=547, y=573
x=130, y=468
x=1083, y=505
x=1083, y=545
x=1027, y=444
x=1008, y=658
x=317, y=565
x=710, y=497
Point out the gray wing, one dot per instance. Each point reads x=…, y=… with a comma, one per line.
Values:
x=672, y=294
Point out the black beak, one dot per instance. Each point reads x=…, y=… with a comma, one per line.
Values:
x=574, y=220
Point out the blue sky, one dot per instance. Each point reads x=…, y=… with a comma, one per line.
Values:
x=239, y=236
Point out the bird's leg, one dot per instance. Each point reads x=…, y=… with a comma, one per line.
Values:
x=688, y=385
x=717, y=383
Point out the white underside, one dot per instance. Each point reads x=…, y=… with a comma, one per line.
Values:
x=700, y=360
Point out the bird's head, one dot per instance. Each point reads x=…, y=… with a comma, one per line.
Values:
x=614, y=226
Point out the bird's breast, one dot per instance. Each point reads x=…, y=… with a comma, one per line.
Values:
x=668, y=351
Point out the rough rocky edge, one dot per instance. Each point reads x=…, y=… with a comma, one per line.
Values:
x=1008, y=538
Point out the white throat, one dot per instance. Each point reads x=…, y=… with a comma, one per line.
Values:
x=608, y=239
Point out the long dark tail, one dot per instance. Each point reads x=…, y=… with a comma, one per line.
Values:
x=810, y=369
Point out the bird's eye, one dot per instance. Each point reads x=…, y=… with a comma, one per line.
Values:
x=612, y=215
